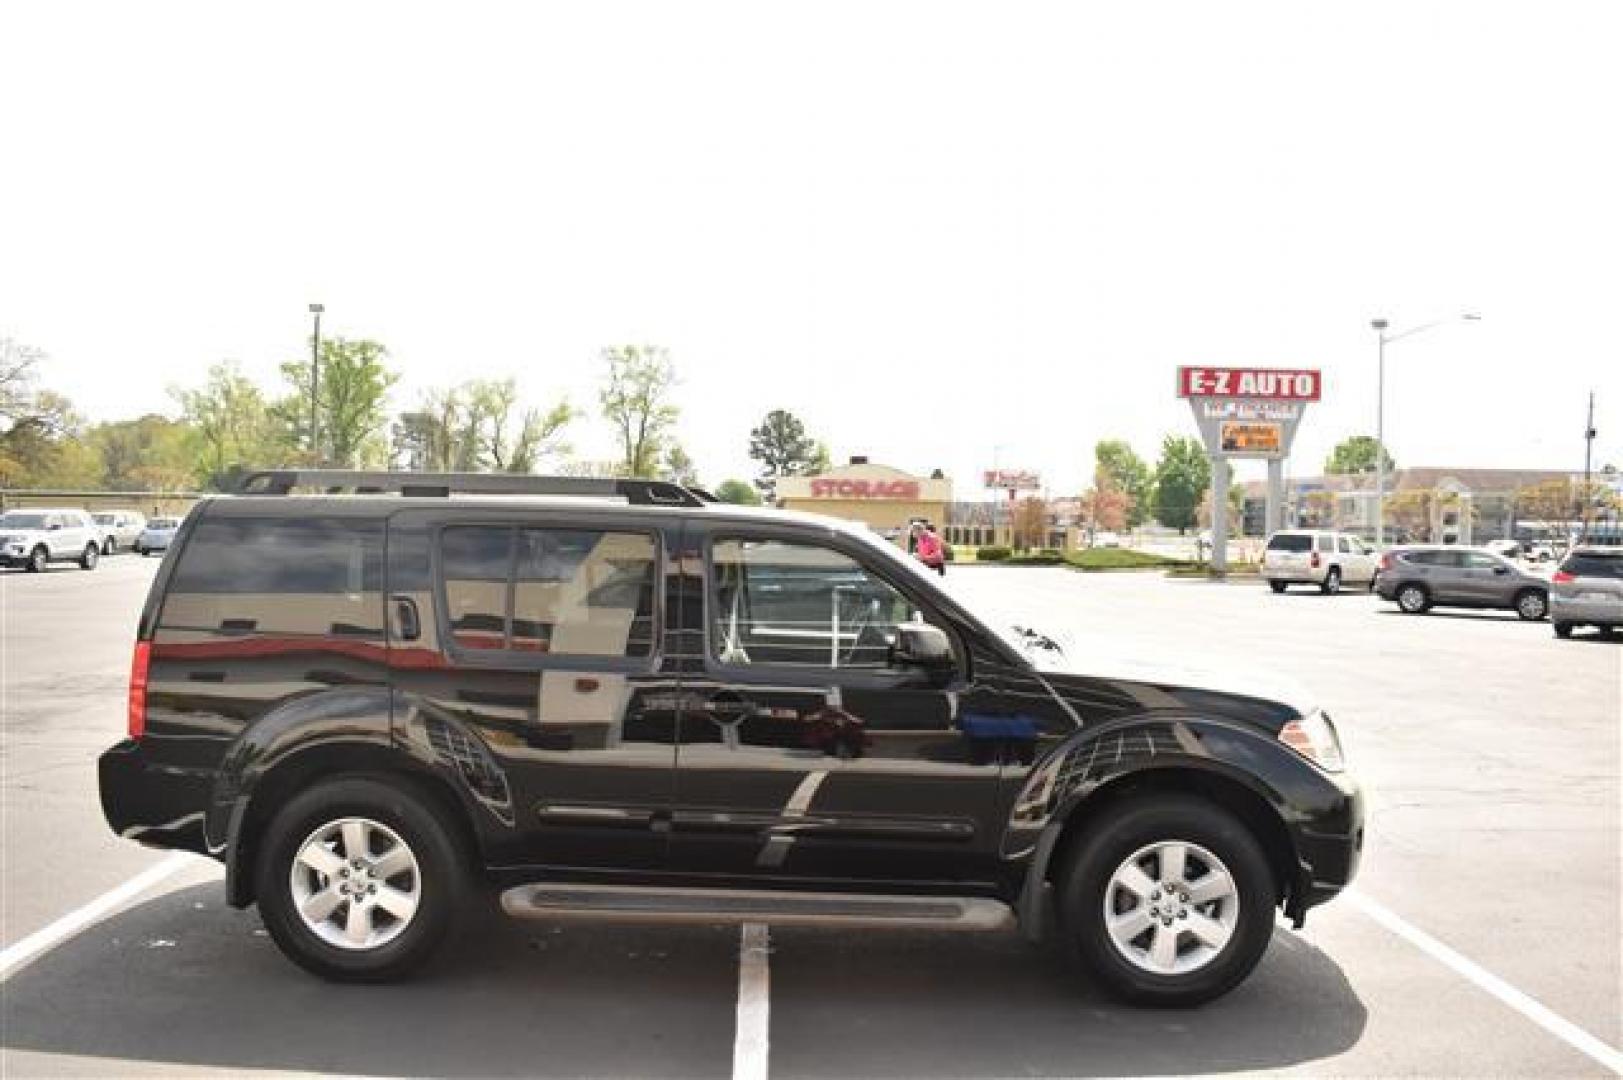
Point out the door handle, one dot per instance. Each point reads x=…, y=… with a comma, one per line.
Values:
x=407, y=623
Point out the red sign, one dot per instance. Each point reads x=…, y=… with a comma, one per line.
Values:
x=865, y=489
x=1279, y=384
x=1012, y=479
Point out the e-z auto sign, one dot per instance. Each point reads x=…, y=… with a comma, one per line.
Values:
x=1274, y=383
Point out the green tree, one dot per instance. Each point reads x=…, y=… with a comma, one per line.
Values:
x=151, y=453
x=1182, y=476
x=738, y=492
x=231, y=426
x=636, y=400
x=1356, y=454
x=1128, y=474
x=678, y=467
x=351, y=391
x=783, y=448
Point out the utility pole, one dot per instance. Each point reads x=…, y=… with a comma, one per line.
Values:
x=1589, y=446
x=315, y=382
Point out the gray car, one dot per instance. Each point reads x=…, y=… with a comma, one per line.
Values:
x=1420, y=578
x=1588, y=590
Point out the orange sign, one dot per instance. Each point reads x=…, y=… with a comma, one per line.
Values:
x=1241, y=438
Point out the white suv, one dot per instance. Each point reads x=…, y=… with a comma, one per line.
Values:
x=1319, y=557
x=36, y=537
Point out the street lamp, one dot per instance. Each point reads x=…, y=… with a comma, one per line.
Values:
x=1383, y=339
x=315, y=379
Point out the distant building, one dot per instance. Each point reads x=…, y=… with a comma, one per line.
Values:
x=1439, y=505
x=884, y=498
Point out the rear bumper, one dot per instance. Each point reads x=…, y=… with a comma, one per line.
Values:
x=158, y=805
x=1597, y=612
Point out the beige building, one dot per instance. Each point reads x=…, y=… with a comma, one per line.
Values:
x=885, y=499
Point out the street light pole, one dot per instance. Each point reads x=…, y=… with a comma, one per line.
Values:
x=1380, y=432
x=1589, y=445
x=1382, y=340
x=315, y=382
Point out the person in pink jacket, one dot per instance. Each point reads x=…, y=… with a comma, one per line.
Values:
x=929, y=549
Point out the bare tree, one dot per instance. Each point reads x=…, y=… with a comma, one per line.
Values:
x=635, y=399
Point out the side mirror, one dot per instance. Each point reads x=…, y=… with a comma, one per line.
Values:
x=923, y=646
x=53, y=526
x=1501, y=569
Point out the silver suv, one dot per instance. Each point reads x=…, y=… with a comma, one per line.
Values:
x=35, y=538
x=1420, y=578
x=1588, y=590
x=119, y=529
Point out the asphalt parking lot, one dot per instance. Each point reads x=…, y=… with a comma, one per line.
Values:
x=1490, y=890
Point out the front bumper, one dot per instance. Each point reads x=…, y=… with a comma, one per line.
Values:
x=157, y=804
x=1329, y=847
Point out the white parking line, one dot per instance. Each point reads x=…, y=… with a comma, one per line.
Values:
x=15, y=956
x=1562, y=1028
x=750, y=1044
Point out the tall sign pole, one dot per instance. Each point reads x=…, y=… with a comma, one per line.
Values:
x=1247, y=413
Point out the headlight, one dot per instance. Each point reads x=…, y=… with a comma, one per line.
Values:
x=1314, y=737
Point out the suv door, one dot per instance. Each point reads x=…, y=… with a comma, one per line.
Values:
x=1490, y=580
x=526, y=654
x=804, y=752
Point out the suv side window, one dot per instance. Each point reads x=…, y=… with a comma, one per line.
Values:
x=573, y=592
x=777, y=602
x=1344, y=545
x=1476, y=560
x=321, y=577
x=1327, y=543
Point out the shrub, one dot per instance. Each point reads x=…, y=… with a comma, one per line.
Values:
x=992, y=553
x=1118, y=559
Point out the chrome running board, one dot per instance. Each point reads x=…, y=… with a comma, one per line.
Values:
x=658, y=904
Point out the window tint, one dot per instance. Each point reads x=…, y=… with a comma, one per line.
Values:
x=1290, y=542
x=1344, y=545
x=783, y=603
x=248, y=575
x=568, y=591
x=1477, y=560
x=1589, y=565
x=476, y=562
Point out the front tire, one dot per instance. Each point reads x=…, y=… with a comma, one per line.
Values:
x=1532, y=605
x=1277, y=586
x=359, y=880
x=1413, y=599
x=38, y=560
x=1168, y=901
x=110, y=547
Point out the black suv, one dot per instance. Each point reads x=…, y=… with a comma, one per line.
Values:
x=618, y=699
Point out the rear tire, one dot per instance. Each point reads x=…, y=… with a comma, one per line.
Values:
x=110, y=547
x=1532, y=605
x=1563, y=630
x=1194, y=949
x=1413, y=599
x=1332, y=582
x=312, y=892
x=89, y=557
x=1277, y=586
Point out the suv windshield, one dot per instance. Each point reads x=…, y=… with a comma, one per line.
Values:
x=1291, y=542
x=22, y=521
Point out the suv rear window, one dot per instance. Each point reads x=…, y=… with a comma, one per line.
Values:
x=575, y=592
x=1291, y=542
x=317, y=576
x=1589, y=564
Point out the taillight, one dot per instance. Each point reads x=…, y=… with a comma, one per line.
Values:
x=1313, y=560
x=138, y=688
x=1562, y=577
x=1386, y=562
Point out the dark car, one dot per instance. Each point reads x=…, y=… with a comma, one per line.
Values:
x=646, y=705
x=1420, y=578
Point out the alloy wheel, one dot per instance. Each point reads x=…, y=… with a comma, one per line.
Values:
x=1531, y=606
x=356, y=883
x=1171, y=907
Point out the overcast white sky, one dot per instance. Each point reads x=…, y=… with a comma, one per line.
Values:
x=939, y=233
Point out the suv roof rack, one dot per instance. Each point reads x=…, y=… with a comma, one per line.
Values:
x=445, y=484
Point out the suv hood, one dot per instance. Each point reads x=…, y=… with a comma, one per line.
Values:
x=1237, y=693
